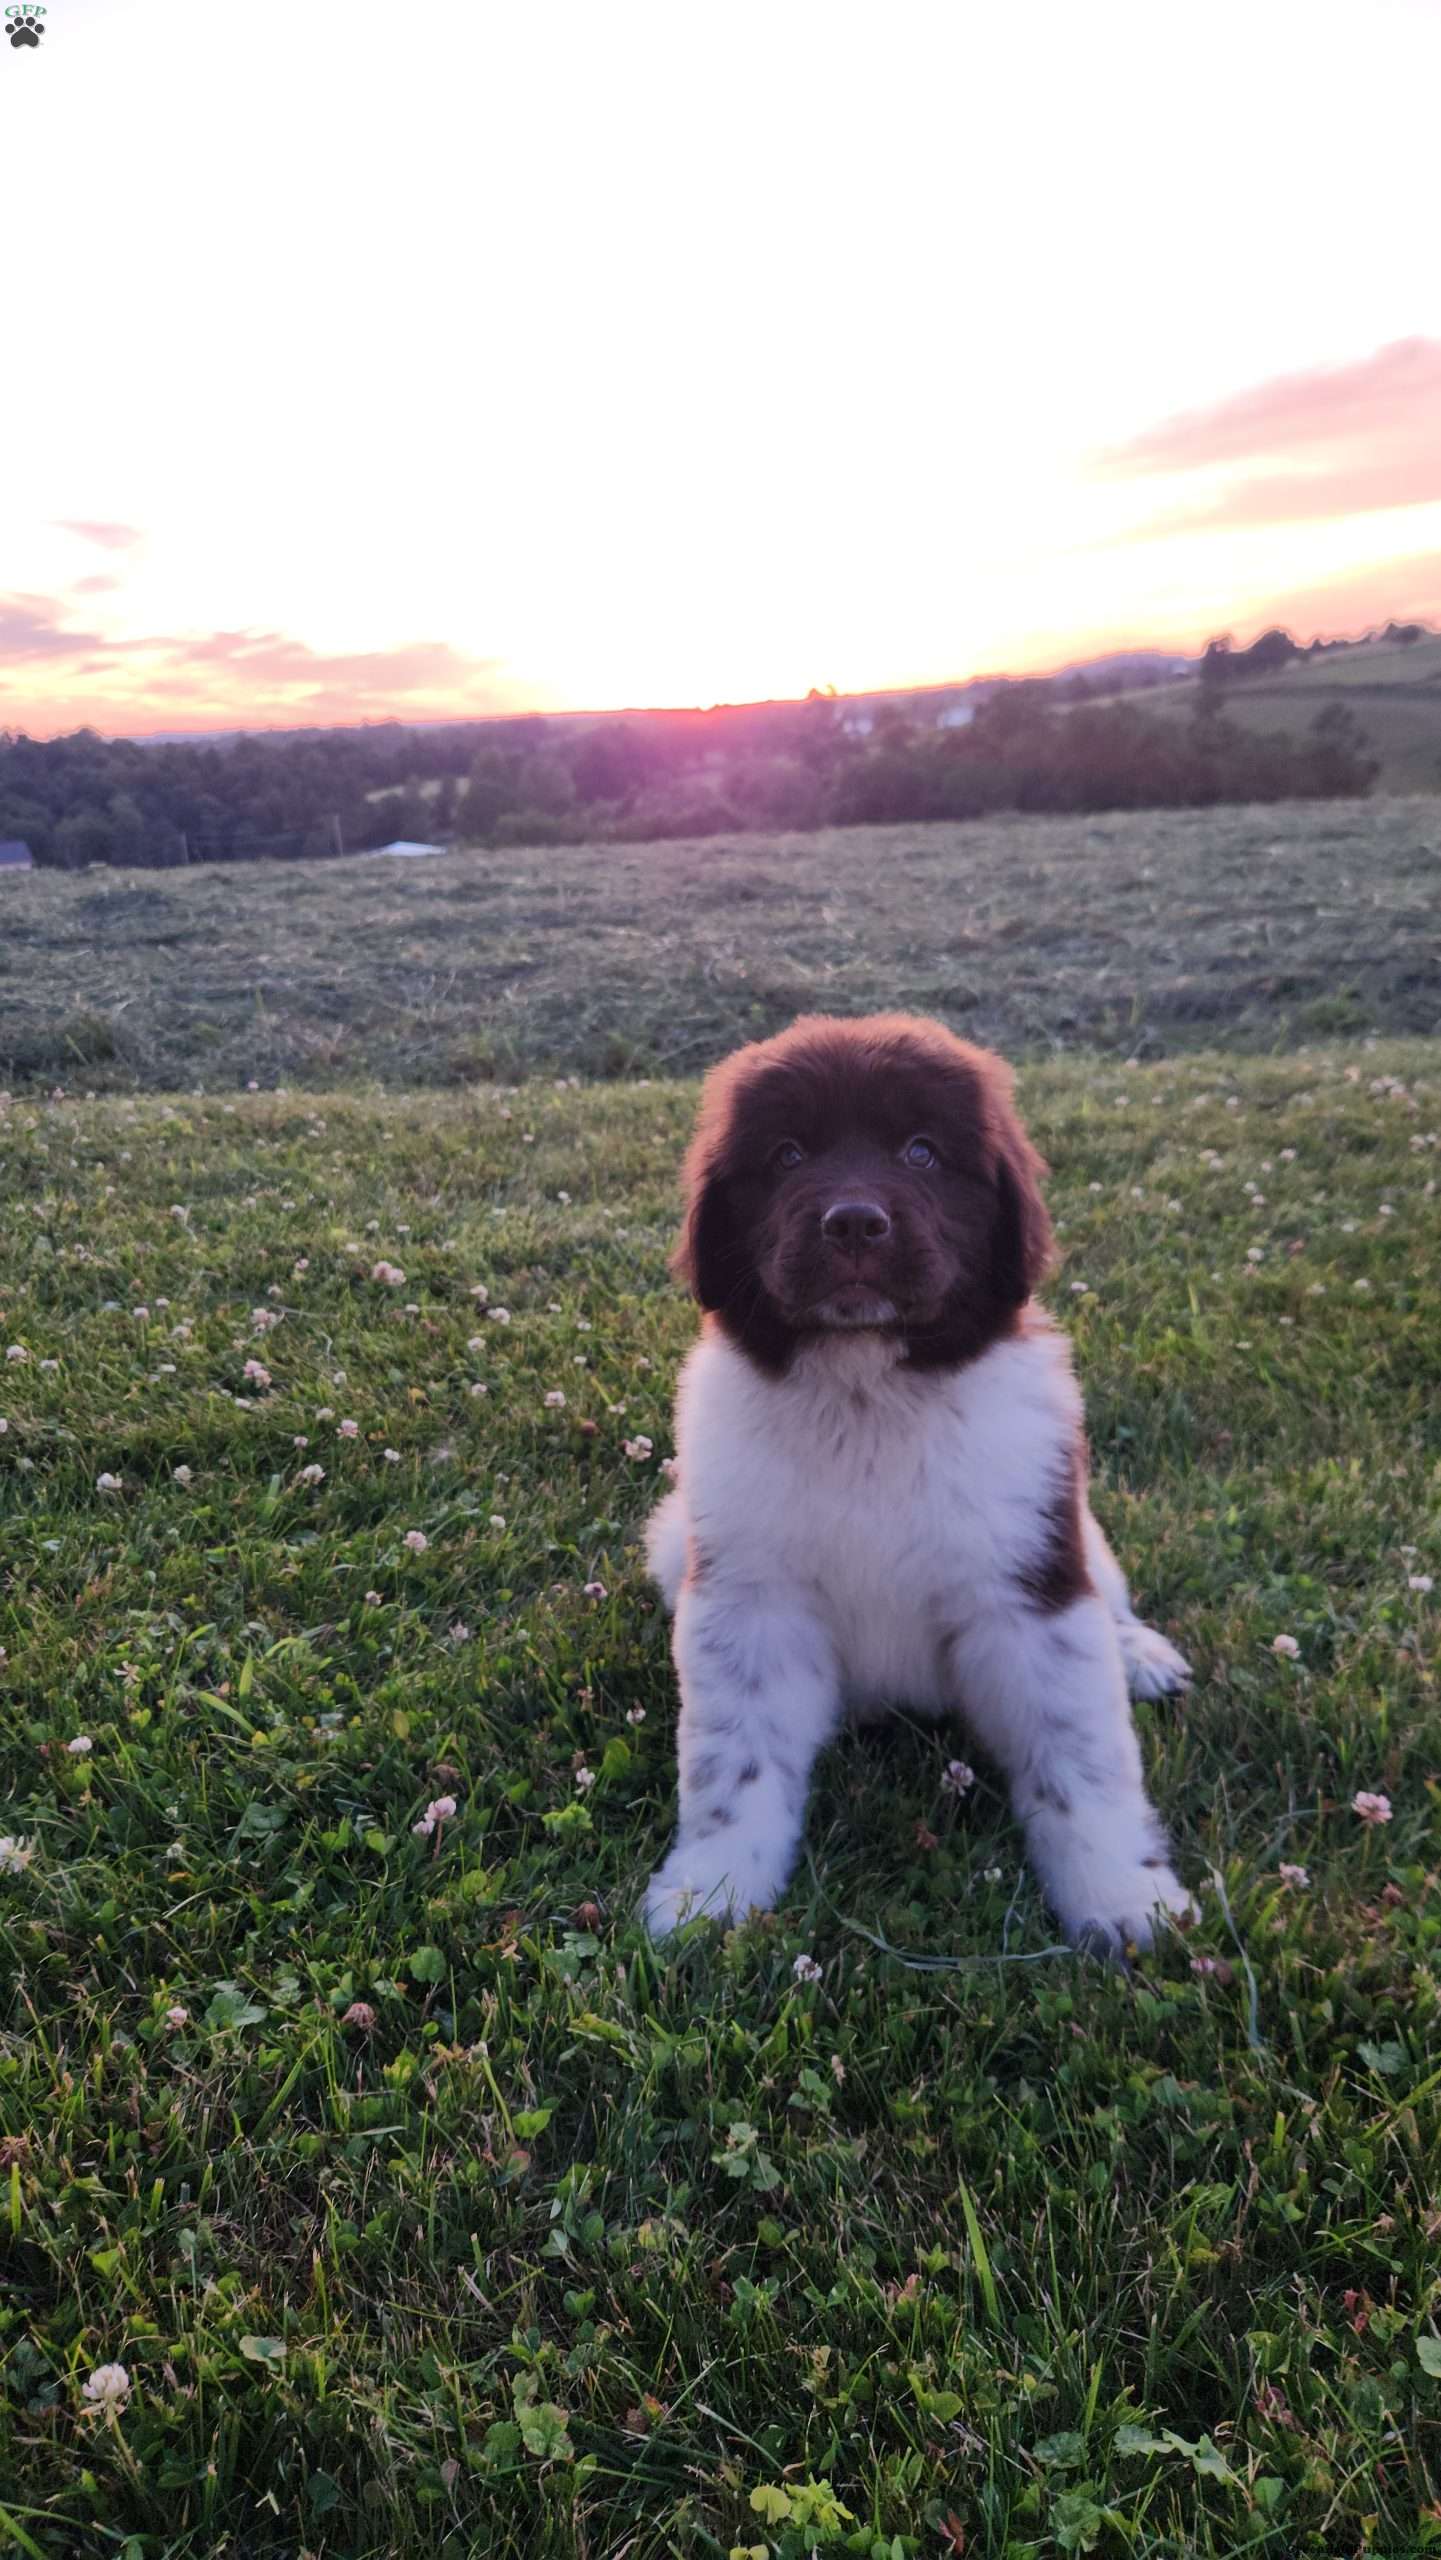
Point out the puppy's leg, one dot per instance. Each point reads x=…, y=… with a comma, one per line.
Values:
x=1046, y=1692
x=666, y=1534
x=759, y=1696
x=1153, y=1666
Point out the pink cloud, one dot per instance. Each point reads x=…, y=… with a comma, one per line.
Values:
x=110, y=537
x=1326, y=405
x=30, y=628
x=1337, y=440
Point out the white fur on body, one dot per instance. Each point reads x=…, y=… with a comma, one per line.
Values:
x=855, y=1536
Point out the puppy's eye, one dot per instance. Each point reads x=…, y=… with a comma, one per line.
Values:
x=921, y=1153
x=789, y=1153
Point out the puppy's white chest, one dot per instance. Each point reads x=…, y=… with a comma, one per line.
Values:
x=888, y=1503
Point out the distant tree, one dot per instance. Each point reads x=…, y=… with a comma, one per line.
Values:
x=488, y=791
x=1216, y=668
x=1275, y=649
x=83, y=835
x=1341, y=765
x=610, y=762
x=127, y=829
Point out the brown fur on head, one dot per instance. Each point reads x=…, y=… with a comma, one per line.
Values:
x=811, y=1206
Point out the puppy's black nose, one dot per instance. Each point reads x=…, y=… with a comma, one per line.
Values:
x=854, y=1223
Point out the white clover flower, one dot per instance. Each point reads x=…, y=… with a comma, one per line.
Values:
x=1371, y=1808
x=635, y=1715
x=311, y=1474
x=1419, y=1582
x=584, y=1779
x=257, y=1372
x=349, y=1430
x=416, y=1540
x=806, y=1969
x=389, y=1274
x=497, y=1520
x=15, y=1855
x=181, y=1475
x=498, y=1315
x=639, y=1447
x=177, y=2015
x=958, y=1777
x=107, y=1484
x=108, y=2387
x=391, y=1457
x=1296, y=1876
x=1286, y=1645
x=596, y=1591
x=81, y=1747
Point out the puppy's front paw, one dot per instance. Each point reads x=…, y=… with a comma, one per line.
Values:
x=713, y=1879
x=1107, y=1875
x=1153, y=1665
x=1126, y=1906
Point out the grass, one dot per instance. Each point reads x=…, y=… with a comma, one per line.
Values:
x=554, y=2245
x=1248, y=928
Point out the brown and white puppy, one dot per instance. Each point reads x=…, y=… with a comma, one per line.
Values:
x=881, y=1490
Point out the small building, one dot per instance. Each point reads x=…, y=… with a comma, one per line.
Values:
x=403, y=845
x=15, y=854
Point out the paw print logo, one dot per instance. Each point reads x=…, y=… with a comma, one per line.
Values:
x=25, y=25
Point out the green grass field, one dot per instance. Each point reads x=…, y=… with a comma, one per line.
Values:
x=427, y=2209
x=1246, y=928
x=1394, y=692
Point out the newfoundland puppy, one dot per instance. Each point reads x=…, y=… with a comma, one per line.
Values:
x=881, y=1485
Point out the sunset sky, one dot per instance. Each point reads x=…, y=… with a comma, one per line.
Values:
x=452, y=356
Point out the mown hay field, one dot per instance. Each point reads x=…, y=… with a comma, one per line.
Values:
x=1146, y=933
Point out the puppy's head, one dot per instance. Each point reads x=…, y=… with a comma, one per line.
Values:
x=862, y=1175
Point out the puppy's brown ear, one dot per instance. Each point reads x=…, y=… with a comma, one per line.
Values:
x=1023, y=1244
x=704, y=1260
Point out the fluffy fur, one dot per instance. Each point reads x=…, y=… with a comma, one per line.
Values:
x=881, y=1492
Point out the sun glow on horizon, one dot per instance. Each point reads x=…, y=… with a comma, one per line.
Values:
x=551, y=361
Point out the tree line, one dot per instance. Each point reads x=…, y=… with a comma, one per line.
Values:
x=1027, y=746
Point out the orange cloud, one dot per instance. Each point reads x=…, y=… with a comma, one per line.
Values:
x=1337, y=440
x=53, y=677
